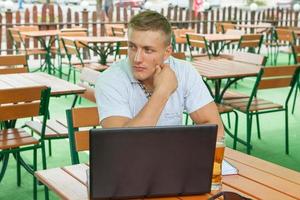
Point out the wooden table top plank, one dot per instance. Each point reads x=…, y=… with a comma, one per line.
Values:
x=4, y=84
x=223, y=68
x=263, y=165
x=63, y=184
x=78, y=172
x=163, y=198
x=58, y=86
x=274, y=182
x=225, y=63
x=196, y=197
x=18, y=80
x=254, y=188
x=231, y=189
x=97, y=39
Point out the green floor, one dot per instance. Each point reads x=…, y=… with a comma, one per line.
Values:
x=270, y=147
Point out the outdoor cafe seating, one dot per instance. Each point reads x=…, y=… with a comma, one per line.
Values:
x=48, y=73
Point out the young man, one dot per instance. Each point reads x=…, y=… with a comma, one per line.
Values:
x=150, y=87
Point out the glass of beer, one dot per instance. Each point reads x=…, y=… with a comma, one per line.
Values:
x=217, y=170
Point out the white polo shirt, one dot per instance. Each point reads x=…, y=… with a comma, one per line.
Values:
x=119, y=94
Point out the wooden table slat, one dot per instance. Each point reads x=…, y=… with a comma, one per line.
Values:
x=78, y=172
x=268, y=179
x=66, y=186
x=263, y=165
x=58, y=86
x=254, y=188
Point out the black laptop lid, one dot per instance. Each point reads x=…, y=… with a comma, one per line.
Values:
x=151, y=161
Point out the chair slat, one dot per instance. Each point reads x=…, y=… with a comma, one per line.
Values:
x=274, y=83
x=13, y=60
x=85, y=117
x=280, y=71
x=12, y=111
x=252, y=43
x=82, y=141
x=13, y=70
x=25, y=94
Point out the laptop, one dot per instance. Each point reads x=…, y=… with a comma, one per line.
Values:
x=151, y=161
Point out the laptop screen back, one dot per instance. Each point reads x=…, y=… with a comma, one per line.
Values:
x=151, y=161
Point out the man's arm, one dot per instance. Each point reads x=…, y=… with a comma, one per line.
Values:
x=209, y=114
x=165, y=83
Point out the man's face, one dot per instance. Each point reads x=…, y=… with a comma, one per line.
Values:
x=146, y=49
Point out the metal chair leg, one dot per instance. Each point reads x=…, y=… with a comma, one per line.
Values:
x=235, y=129
x=228, y=120
x=249, y=124
x=286, y=131
x=4, y=165
x=44, y=163
x=50, y=147
x=17, y=156
x=295, y=97
x=34, y=169
x=258, y=125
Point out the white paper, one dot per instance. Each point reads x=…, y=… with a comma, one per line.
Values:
x=228, y=169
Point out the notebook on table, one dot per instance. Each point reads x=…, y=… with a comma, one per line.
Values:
x=151, y=161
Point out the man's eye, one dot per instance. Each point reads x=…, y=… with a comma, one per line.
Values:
x=148, y=50
x=131, y=46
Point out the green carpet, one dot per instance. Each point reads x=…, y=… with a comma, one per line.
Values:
x=270, y=147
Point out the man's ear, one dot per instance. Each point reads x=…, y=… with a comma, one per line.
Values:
x=168, y=52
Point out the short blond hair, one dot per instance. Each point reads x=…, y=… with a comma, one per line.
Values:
x=151, y=21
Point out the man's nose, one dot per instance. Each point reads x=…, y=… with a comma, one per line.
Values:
x=138, y=56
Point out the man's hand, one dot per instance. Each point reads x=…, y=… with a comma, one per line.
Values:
x=165, y=81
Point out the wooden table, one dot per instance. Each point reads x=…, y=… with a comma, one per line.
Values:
x=214, y=40
x=58, y=86
x=46, y=39
x=260, y=28
x=102, y=45
x=257, y=179
x=222, y=68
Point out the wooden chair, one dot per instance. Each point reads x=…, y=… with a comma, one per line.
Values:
x=282, y=37
x=222, y=27
x=296, y=53
x=122, y=47
x=61, y=52
x=199, y=42
x=80, y=120
x=22, y=45
x=178, y=40
x=11, y=64
x=108, y=28
x=72, y=49
x=17, y=104
x=57, y=129
x=268, y=78
x=118, y=31
x=250, y=42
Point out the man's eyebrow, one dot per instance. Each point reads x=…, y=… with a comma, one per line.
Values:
x=145, y=47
